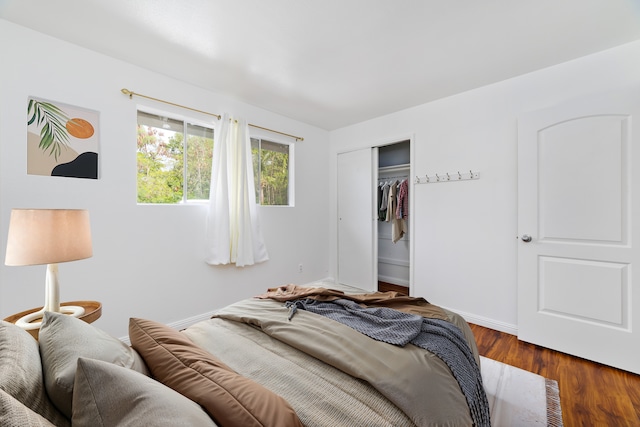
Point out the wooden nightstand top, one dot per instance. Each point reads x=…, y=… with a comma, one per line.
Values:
x=92, y=312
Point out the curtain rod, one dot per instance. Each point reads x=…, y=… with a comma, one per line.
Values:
x=218, y=116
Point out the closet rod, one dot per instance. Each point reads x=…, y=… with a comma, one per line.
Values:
x=218, y=116
x=386, y=178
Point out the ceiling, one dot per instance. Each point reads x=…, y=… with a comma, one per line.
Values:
x=332, y=63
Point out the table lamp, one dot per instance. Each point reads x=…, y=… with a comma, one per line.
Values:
x=48, y=236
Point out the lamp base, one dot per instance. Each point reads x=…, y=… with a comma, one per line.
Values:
x=28, y=322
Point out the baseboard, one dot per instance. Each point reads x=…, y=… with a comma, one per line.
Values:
x=326, y=280
x=394, y=261
x=487, y=323
x=185, y=323
x=180, y=324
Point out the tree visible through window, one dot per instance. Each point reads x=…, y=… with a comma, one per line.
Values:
x=271, y=172
x=165, y=174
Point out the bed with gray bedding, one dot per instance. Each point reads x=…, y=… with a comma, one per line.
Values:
x=333, y=375
x=272, y=361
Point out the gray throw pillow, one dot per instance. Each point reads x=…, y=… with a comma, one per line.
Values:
x=21, y=373
x=63, y=339
x=109, y=395
x=15, y=414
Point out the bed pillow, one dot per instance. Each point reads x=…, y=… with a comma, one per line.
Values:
x=110, y=395
x=14, y=414
x=229, y=398
x=63, y=339
x=21, y=372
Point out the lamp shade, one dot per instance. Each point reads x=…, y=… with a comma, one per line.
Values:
x=48, y=236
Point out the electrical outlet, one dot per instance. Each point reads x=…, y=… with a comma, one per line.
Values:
x=299, y=268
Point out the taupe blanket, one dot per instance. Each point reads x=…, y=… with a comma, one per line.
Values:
x=440, y=337
x=416, y=381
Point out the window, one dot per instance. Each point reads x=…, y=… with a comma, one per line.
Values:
x=165, y=174
x=271, y=172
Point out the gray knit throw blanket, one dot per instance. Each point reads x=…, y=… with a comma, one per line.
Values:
x=440, y=337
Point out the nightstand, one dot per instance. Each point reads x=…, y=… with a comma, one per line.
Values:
x=92, y=312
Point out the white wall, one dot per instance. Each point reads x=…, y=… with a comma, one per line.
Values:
x=148, y=260
x=465, y=232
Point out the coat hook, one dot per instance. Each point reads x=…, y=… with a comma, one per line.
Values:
x=459, y=176
x=437, y=177
x=470, y=174
x=448, y=177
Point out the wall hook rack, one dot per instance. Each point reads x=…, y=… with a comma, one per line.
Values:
x=446, y=177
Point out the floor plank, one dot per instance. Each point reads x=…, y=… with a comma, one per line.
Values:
x=591, y=394
x=385, y=287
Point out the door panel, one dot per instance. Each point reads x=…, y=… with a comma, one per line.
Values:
x=583, y=289
x=579, y=170
x=356, y=232
x=577, y=193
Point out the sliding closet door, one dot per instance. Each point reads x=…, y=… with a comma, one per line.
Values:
x=357, y=232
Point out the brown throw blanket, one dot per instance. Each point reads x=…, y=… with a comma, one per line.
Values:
x=390, y=299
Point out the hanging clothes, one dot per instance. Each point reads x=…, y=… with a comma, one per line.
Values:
x=391, y=200
x=402, y=210
x=397, y=225
x=384, y=202
x=379, y=201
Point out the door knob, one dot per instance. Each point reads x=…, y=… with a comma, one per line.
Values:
x=526, y=238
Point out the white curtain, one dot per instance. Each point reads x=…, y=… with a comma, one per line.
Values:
x=233, y=227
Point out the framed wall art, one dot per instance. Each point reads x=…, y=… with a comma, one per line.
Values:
x=62, y=140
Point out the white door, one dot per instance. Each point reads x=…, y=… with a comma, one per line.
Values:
x=356, y=232
x=578, y=183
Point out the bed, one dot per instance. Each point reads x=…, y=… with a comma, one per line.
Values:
x=269, y=361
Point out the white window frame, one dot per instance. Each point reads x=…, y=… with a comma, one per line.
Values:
x=258, y=134
x=291, y=187
x=185, y=120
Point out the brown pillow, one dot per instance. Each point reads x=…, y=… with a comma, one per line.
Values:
x=229, y=398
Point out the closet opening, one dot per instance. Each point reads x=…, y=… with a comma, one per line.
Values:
x=393, y=190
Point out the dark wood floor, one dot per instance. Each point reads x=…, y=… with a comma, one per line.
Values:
x=385, y=287
x=591, y=394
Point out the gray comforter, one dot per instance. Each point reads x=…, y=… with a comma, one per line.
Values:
x=331, y=374
x=440, y=337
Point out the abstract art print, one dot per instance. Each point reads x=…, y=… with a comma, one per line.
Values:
x=62, y=140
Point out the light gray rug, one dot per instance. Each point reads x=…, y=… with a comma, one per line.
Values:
x=519, y=398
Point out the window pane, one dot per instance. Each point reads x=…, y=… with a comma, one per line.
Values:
x=274, y=173
x=160, y=159
x=199, y=155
